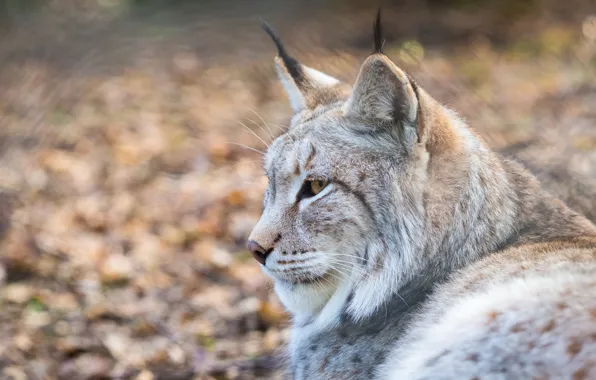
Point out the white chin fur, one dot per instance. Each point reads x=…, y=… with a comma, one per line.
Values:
x=305, y=299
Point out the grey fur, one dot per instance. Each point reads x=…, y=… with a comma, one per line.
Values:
x=416, y=203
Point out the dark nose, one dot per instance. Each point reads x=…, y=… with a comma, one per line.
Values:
x=258, y=252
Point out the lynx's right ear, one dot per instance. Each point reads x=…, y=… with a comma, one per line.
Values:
x=383, y=92
x=306, y=88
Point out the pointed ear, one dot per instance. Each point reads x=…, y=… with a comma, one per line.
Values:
x=383, y=93
x=306, y=88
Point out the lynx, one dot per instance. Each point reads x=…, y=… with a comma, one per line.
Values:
x=404, y=248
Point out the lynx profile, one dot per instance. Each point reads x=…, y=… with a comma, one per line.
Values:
x=405, y=249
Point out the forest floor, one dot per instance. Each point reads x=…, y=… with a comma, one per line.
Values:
x=130, y=176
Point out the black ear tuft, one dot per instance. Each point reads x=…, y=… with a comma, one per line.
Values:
x=292, y=65
x=378, y=34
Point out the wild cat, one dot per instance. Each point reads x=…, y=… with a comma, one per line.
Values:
x=404, y=248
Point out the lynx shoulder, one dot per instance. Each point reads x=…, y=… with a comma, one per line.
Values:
x=404, y=247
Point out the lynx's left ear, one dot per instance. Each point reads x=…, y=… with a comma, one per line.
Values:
x=306, y=88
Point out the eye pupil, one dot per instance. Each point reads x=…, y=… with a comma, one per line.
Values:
x=311, y=188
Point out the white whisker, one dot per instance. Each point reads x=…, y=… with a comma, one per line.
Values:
x=247, y=147
x=346, y=267
x=400, y=297
x=283, y=128
x=340, y=260
x=330, y=283
x=253, y=132
x=334, y=276
x=354, y=256
x=351, y=267
x=263, y=120
x=269, y=133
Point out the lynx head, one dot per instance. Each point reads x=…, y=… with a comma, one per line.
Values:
x=344, y=211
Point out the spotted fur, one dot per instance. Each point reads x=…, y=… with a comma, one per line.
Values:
x=420, y=228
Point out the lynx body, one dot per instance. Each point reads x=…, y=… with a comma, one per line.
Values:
x=404, y=248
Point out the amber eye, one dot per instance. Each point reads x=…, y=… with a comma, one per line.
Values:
x=317, y=186
x=311, y=188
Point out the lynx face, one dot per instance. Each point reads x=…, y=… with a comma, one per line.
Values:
x=310, y=207
x=327, y=179
x=344, y=188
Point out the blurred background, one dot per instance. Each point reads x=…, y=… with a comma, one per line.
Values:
x=130, y=172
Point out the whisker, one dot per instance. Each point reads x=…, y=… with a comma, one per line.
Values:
x=283, y=128
x=318, y=285
x=340, y=260
x=341, y=270
x=322, y=287
x=351, y=267
x=331, y=274
x=253, y=132
x=247, y=162
x=261, y=128
x=402, y=298
x=343, y=262
x=354, y=256
x=357, y=266
x=263, y=120
x=247, y=147
x=334, y=276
